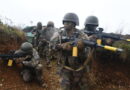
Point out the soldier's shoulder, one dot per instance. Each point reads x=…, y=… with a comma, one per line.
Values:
x=82, y=34
x=80, y=31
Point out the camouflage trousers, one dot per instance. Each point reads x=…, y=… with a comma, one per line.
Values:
x=42, y=48
x=30, y=73
x=73, y=80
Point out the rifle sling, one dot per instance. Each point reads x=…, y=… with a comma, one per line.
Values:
x=81, y=67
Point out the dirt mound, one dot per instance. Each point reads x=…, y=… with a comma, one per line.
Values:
x=10, y=38
x=110, y=70
x=10, y=79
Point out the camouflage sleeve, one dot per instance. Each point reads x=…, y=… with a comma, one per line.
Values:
x=35, y=55
x=83, y=36
x=32, y=63
x=55, y=38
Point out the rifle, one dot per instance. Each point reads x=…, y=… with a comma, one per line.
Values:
x=10, y=57
x=87, y=43
x=100, y=34
x=106, y=47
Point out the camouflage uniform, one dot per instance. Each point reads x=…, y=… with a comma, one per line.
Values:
x=37, y=32
x=91, y=24
x=32, y=69
x=71, y=79
x=44, y=44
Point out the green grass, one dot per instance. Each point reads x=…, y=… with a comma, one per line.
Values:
x=11, y=30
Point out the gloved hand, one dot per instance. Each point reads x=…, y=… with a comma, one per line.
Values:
x=93, y=37
x=80, y=44
x=58, y=47
x=109, y=41
x=26, y=63
x=67, y=46
x=31, y=63
x=19, y=60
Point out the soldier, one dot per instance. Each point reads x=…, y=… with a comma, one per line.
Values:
x=44, y=45
x=50, y=24
x=48, y=31
x=91, y=24
x=37, y=32
x=31, y=67
x=71, y=69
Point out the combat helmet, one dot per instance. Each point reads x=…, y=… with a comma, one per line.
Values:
x=26, y=47
x=72, y=17
x=39, y=25
x=91, y=20
x=50, y=24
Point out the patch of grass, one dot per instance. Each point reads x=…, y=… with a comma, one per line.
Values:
x=11, y=30
x=125, y=55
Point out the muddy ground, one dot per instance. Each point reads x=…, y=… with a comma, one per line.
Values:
x=10, y=79
x=105, y=77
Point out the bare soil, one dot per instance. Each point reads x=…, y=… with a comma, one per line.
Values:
x=104, y=76
x=10, y=79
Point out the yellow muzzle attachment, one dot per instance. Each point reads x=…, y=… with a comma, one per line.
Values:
x=128, y=40
x=112, y=48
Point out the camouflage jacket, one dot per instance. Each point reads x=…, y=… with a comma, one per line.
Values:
x=37, y=33
x=66, y=56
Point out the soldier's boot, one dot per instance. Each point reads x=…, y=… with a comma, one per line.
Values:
x=26, y=75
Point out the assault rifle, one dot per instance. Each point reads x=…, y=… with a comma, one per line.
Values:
x=106, y=47
x=87, y=43
x=10, y=57
x=100, y=34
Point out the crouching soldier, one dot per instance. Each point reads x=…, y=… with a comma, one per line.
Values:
x=31, y=67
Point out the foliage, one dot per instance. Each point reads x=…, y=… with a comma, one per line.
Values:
x=11, y=30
